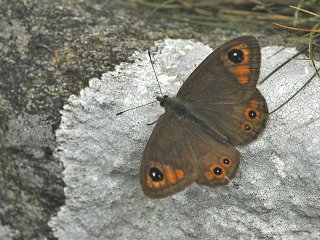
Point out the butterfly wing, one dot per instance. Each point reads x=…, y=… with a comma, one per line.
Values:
x=222, y=91
x=240, y=123
x=179, y=153
x=217, y=162
x=168, y=162
x=228, y=75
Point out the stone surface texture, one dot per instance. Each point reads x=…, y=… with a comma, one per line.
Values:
x=275, y=194
x=49, y=51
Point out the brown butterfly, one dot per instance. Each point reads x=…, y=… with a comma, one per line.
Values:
x=217, y=107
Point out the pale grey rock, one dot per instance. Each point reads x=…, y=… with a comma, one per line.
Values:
x=5, y=233
x=274, y=196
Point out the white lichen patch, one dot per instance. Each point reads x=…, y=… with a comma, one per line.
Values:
x=275, y=194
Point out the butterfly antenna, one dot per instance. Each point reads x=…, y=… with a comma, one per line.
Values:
x=228, y=178
x=155, y=73
x=119, y=113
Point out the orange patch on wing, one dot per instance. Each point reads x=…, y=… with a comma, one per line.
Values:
x=171, y=176
x=156, y=184
x=163, y=183
x=253, y=104
x=208, y=175
x=179, y=174
x=242, y=73
x=243, y=79
x=246, y=54
x=241, y=70
x=149, y=182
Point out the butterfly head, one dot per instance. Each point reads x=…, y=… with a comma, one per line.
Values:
x=162, y=100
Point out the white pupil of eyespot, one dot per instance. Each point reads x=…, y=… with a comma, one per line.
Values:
x=235, y=54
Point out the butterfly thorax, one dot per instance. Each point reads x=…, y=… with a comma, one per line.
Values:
x=182, y=112
x=175, y=107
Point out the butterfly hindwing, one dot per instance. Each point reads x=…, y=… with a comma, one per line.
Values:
x=217, y=162
x=246, y=120
x=180, y=153
x=241, y=122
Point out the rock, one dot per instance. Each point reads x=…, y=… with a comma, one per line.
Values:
x=275, y=194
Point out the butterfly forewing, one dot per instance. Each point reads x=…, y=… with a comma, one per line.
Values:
x=228, y=75
x=169, y=163
x=222, y=91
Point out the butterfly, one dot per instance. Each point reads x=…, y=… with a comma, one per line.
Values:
x=216, y=108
